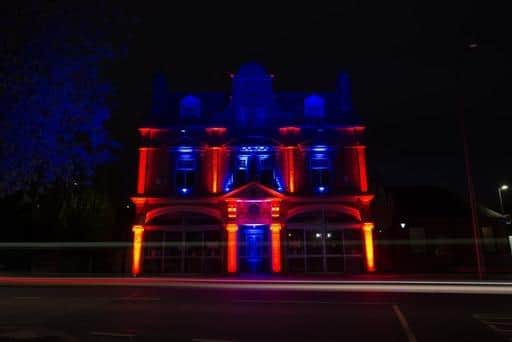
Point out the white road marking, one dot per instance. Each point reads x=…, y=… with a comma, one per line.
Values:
x=111, y=334
x=27, y=297
x=256, y=301
x=498, y=324
x=404, y=324
x=208, y=340
x=150, y=299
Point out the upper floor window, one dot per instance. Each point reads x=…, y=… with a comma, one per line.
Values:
x=319, y=165
x=184, y=177
x=255, y=163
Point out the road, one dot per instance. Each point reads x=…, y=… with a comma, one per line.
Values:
x=244, y=313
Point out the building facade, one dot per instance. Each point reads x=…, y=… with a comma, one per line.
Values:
x=255, y=181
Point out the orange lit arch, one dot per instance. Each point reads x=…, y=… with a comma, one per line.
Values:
x=152, y=214
x=352, y=212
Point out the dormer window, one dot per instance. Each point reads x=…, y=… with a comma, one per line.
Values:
x=314, y=107
x=190, y=107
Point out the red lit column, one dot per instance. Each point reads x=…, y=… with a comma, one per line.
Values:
x=288, y=162
x=215, y=166
x=369, y=246
x=143, y=161
x=275, y=231
x=232, y=249
x=355, y=161
x=361, y=161
x=138, y=232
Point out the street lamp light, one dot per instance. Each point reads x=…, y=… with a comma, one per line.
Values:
x=504, y=187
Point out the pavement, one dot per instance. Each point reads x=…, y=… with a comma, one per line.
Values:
x=234, y=309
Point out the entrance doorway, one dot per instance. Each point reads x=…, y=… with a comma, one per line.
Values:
x=254, y=249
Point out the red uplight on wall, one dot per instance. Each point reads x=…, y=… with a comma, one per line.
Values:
x=216, y=130
x=361, y=160
x=288, y=153
x=216, y=163
x=368, y=246
x=143, y=160
x=275, y=230
x=138, y=231
x=232, y=252
x=289, y=130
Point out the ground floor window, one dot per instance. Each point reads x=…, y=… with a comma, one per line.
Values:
x=320, y=248
x=180, y=251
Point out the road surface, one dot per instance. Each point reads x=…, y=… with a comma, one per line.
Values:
x=50, y=312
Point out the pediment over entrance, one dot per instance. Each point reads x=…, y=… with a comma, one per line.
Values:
x=253, y=191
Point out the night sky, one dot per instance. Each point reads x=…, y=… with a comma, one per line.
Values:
x=411, y=66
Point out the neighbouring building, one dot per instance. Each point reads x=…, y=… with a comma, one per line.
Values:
x=255, y=181
x=428, y=229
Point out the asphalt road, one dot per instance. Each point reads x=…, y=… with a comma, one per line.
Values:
x=102, y=313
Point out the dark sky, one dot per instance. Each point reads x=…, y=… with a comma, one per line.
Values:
x=410, y=64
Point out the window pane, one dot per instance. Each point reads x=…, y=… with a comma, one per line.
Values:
x=335, y=264
x=185, y=164
x=173, y=244
x=319, y=162
x=194, y=244
x=294, y=242
x=212, y=243
x=314, y=264
x=352, y=241
x=334, y=243
x=153, y=244
x=314, y=242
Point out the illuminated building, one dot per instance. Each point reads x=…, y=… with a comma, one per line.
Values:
x=253, y=181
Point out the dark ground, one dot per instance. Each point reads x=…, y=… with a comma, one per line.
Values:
x=196, y=314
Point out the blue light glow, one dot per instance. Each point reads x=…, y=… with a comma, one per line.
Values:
x=278, y=183
x=229, y=183
x=184, y=190
x=319, y=148
x=255, y=148
x=321, y=189
x=243, y=162
x=253, y=237
x=185, y=149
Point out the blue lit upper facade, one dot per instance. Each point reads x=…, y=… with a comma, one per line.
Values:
x=201, y=144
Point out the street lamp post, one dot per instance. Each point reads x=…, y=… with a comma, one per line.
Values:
x=500, y=196
x=480, y=263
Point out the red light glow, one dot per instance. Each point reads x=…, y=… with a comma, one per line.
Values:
x=232, y=209
x=275, y=229
x=368, y=246
x=232, y=253
x=138, y=231
x=275, y=209
x=289, y=130
x=216, y=130
x=361, y=159
x=289, y=167
x=216, y=163
x=143, y=159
